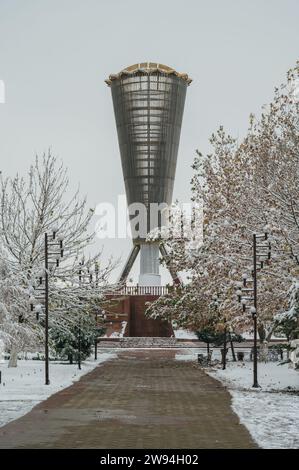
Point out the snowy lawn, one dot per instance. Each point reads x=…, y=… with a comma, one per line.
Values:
x=184, y=334
x=117, y=334
x=271, y=413
x=23, y=387
x=190, y=354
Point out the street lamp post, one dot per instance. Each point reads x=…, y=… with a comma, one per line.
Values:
x=96, y=269
x=81, y=278
x=91, y=278
x=47, y=378
x=79, y=345
x=96, y=338
x=254, y=314
x=56, y=242
x=245, y=294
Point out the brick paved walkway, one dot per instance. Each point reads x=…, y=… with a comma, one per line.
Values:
x=142, y=399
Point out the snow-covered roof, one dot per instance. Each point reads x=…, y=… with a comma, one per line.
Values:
x=148, y=67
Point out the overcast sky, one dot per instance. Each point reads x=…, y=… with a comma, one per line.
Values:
x=55, y=55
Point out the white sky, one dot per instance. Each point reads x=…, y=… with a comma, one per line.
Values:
x=55, y=55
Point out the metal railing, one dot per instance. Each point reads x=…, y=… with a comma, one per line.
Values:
x=144, y=290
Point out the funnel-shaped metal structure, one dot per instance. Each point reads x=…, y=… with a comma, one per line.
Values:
x=148, y=101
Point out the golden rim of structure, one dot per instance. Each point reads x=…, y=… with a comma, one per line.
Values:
x=148, y=67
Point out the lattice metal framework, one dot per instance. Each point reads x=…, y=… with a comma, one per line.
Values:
x=148, y=106
x=148, y=102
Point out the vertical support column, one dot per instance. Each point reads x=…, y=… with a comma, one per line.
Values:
x=149, y=265
x=96, y=338
x=255, y=381
x=79, y=344
x=47, y=379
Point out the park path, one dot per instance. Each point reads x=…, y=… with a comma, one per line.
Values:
x=141, y=399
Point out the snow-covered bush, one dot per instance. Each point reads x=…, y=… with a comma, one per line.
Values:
x=80, y=332
x=287, y=322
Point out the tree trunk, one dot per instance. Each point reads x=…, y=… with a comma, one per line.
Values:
x=208, y=347
x=13, y=360
x=2, y=349
x=262, y=333
x=70, y=358
x=269, y=335
x=224, y=350
x=232, y=348
x=264, y=351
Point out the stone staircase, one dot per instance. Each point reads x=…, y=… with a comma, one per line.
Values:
x=147, y=342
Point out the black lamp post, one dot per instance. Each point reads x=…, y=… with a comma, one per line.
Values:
x=79, y=344
x=247, y=295
x=81, y=276
x=51, y=258
x=96, y=270
x=91, y=278
x=96, y=338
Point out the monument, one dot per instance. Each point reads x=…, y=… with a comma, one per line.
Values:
x=148, y=100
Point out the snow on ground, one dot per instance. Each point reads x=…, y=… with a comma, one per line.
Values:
x=271, y=376
x=249, y=335
x=117, y=334
x=23, y=387
x=271, y=418
x=271, y=413
x=190, y=354
x=184, y=334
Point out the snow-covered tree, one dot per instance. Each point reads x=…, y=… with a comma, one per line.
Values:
x=287, y=322
x=29, y=208
x=18, y=330
x=245, y=187
x=77, y=338
x=34, y=205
